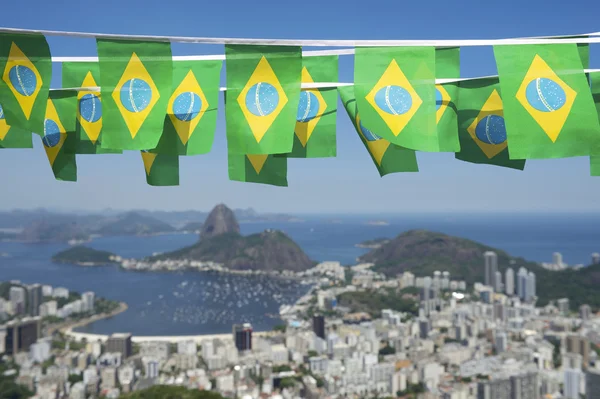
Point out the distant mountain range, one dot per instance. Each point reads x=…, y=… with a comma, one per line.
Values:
x=41, y=225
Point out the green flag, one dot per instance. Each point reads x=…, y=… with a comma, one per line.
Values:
x=315, y=121
x=482, y=131
x=13, y=137
x=548, y=106
x=264, y=85
x=447, y=66
x=594, y=79
x=59, y=124
x=189, y=127
x=387, y=157
x=136, y=85
x=161, y=169
x=595, y=165
x=395, y=94
x=26, y=69
x=88, y=130
x=264, y=169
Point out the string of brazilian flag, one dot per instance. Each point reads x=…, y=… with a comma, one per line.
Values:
x=542, y=105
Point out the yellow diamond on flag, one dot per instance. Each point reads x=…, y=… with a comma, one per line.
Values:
x=89, y=111
x=394, y=98
x=442, y=101
x=148, y=159
x=546, y=97
x=262, y=99
x=257, y=161
x=135, y=94
x=488, y=130
x=4, y=128
x=376, y=145
x=22, y=78
x=187, y=106
x=54, y=133
x=311, y=108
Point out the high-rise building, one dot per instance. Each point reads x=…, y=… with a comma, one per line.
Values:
x=524, y=386
x=498, y=286
x=557, y=259
x=242, y=336
x=119, y=343
x=491, y=267
x=572, y=383
x=509, y=282
x=319, y=326
x=595, y=258
x=585, y=312
x=35, y=298
x=522, y=283
x=424, y=327
x=501, y=342
x=88, y=299
x=20, y=335
x=16, y=296
x=592, y=384
x=581, y=345
x=152, y=369
x=437, y=280
x=498, y=388
x=531, y=287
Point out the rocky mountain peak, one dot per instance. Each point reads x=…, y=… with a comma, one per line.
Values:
x=220, y=220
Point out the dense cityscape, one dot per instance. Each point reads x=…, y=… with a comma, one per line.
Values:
x=487, y=341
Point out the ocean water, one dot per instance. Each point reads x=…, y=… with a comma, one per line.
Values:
x=187, y=303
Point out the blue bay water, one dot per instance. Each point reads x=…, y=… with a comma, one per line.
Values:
x=188, y=303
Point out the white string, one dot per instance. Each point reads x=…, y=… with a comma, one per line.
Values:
x=586, y=38
x=326, y=85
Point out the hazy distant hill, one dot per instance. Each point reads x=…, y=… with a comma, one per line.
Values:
x=81, y=254
x=132, y=223
x=422, y=252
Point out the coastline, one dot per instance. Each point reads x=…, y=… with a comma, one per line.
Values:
x=65, y=328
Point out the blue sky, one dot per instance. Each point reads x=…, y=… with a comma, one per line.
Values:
x=348, y=183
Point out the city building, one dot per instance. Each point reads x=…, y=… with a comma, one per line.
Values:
x=319, y=326
x=498, y=286
x=491, y=267
x=187, y=347
x=119, y=343
x=16, y=296
x=531, y=287
x=509, y=282
x=48, y=309
x=242, y=336
x=522, y=278
x=524, y=386
x=572, y=383
x=557, y=259
x=585, y=311
x=501, y=342
x=592, y=384
x=152, y=369
x=563, y=306
x=88, y=299
x=35, y=299
x=21, y=334
x=581, y=345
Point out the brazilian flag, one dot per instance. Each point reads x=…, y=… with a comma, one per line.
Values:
x=161, y=169
x=26, y=71
x=594, y=79
x=482, y=130
x=387, y=157
x=88, y=130
x=549, y=109
x=395, y=94
x=189, y=127
x=316, y=119
x=447, y=66
x=136, y=85
x=263, y=83
x=58, y=126
x=264, y=169
x=13, y=137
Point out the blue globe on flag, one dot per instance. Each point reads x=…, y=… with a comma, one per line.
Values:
x=136, y=95
x=369, y=135
x=262, y=99
x=395, y=100
x=438, y=99
x=1, y=112
x=187, y=106
x=23, y=80
x=51, y=133
x=491, y=130
x=308, y=107
x=545, y=95
x=90, y=107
